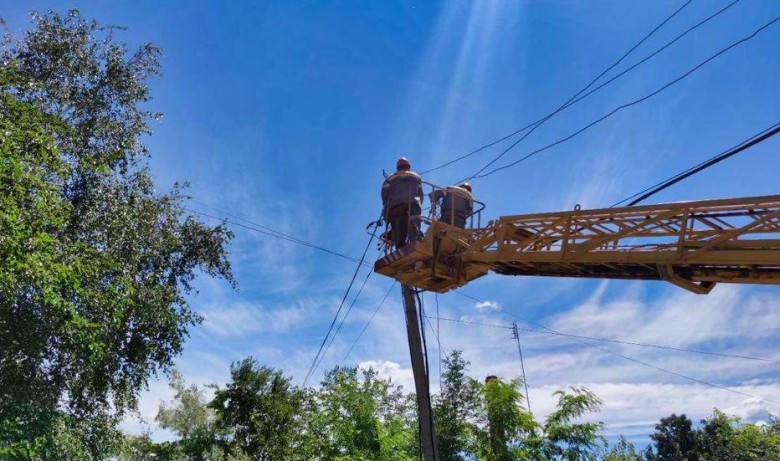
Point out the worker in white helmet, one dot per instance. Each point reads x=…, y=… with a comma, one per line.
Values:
x=456, y=204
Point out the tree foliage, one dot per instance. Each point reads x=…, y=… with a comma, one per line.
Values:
x=718, y=438
x=355, y=415
x=455, y=409
x=95, y=266
x=359, y=416
x=259, y=410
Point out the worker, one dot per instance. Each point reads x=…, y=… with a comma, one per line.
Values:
x=456, y=204
x=402, y=198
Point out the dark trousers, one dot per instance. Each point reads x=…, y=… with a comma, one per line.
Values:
x=404, y=224
x=456, y=220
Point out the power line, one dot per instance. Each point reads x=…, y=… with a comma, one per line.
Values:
x=658, y=187
x=438, y=334
x=548, y=331
x=469, y=322
x=371, y=319
x=632, y=359
x=629, y=104
x=655, y=53
x=516, y=336
x=343, y=319
x=611, y=340
x=655, y=346
x=335, y=317
x=680, y=375
x=275, y=234
x=421, y=303
x=568, y=103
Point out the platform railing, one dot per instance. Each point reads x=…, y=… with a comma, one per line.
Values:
x=428, y=215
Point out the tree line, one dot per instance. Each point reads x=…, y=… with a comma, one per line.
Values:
x=95, y=271
x=357, y=415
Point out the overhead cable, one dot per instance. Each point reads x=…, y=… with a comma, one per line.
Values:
x=341, y=305
x=276, y=234
x=650, y=365
x=629, y=104
x=547, y=331
x=680, y=375
x=516, y=336
x=371, y=319
x=654, y=189
x=344, y=318
x=469, y=322
x=655, y=346
x=572, y=100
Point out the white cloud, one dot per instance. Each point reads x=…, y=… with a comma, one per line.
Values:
x=391, y=370
x=485, y=306
x=245, y=318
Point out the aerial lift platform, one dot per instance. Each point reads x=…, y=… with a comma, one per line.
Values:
x=693, y=245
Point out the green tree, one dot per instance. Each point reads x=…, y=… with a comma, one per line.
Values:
x=142, y=448
x=362, y=417
x=675, y=439
x=455, y=409
x=722, y=437
x=565, y=438
x=623, y=450
x=510, y=431
x=190, y=418
x=259, y=410
x=95, y=266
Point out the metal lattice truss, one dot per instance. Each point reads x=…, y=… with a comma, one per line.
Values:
x=691, y=244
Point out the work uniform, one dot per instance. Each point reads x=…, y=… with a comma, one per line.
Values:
x=457, y=204
x=402, y=198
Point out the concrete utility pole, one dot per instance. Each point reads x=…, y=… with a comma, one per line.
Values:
x=429, y=446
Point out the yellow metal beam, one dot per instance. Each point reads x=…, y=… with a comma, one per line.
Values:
x=691, y=244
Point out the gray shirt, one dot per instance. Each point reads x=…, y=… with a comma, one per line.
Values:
x=402, y=187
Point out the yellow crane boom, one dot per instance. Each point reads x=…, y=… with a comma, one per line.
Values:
x=691, y=244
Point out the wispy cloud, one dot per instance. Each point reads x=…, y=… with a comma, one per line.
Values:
x=246, y=318
x=486, y=306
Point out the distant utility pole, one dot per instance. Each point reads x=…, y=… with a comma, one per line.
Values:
x=516, y=336
x=421, y=384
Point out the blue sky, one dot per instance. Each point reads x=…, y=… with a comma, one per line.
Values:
x=286, y=113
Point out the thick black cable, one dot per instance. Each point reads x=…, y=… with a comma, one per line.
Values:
x=438, y=335
x=341, y=305
x=371, y=319
x=632, y=359
x=656, y=52
x=421, y=303
x=279, y=235
x=658, y=187
x=568, y=103
x=626, y=105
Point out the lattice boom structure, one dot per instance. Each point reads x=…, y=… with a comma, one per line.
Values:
x=691, y=244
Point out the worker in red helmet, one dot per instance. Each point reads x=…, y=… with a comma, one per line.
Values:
x=455, y=203
x=402, y=198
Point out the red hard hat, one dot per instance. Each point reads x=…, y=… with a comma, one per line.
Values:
x=466, y=186
x=402, y=163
